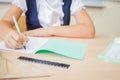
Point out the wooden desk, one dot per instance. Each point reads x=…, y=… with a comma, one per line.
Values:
x=88, y=69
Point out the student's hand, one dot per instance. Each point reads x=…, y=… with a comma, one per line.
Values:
x=14, y=41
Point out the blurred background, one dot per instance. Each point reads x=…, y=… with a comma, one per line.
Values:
x=104, y=13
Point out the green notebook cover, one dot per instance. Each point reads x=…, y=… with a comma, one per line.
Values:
x=64, y=48
x=111, y=57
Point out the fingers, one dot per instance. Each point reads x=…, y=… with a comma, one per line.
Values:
x=13, y=40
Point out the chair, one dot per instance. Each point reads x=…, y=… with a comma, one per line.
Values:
x=22, y=23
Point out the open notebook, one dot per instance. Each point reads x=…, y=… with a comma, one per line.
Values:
x=112, y=52
x=62, y=47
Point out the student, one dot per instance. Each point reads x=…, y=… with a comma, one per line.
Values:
x=46, y=18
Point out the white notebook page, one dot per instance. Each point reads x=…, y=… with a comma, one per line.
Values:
x=32, y=46
x=114, y=51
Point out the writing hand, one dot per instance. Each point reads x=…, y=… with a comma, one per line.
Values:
x=14, y=41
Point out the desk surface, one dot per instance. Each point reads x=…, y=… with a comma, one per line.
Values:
x=88, y=69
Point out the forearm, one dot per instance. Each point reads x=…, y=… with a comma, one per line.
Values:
x=78, y=30
x=5, y=28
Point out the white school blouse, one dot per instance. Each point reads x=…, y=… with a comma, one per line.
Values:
x=50, y=12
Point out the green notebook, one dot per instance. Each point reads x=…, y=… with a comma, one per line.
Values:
x=58, y=46
x=112, y=52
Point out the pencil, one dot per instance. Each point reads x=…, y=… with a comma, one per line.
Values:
x=18, y=29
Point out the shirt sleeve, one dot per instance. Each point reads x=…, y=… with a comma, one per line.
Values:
x=21, y=4
x=76, y=5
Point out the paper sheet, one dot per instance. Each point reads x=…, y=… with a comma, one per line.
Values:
x=32, y=46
